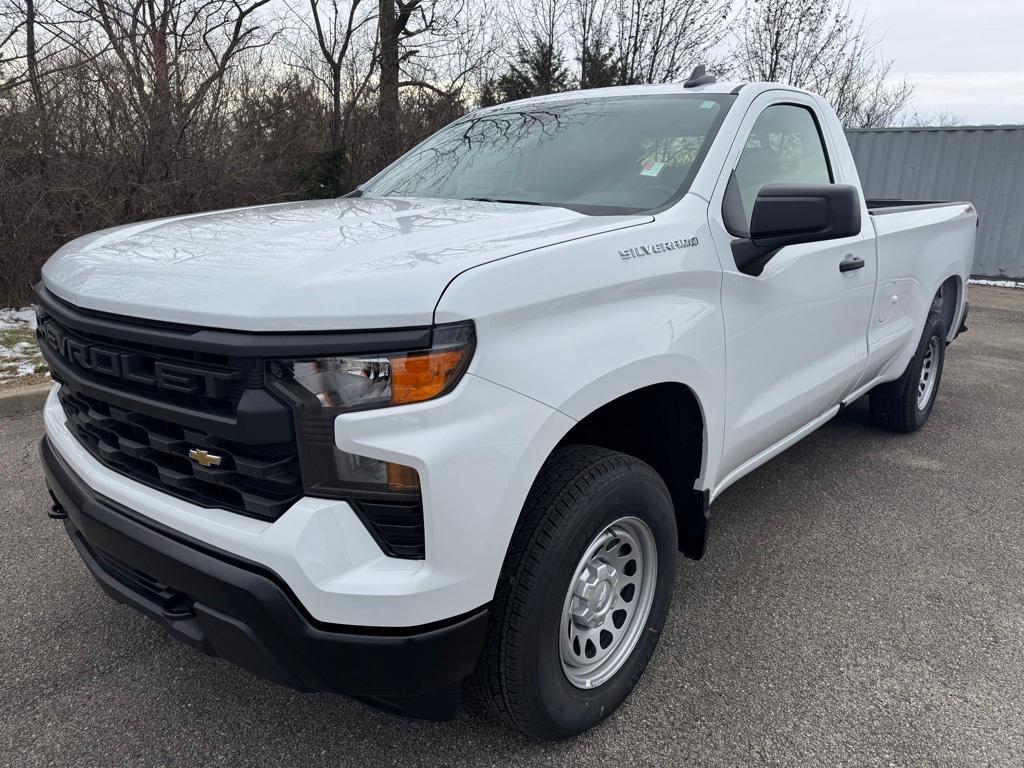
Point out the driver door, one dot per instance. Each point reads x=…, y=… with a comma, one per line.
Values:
x=796, y=333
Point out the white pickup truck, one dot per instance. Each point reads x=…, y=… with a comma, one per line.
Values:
x=452, y=429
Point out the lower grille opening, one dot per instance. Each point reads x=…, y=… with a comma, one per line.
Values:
x=397, y=528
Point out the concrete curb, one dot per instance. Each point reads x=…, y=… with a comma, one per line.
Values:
x=24, y=399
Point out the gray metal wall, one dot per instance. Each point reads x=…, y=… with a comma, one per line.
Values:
x=983, y=164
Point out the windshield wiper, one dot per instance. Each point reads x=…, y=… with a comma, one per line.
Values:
x=514, y=202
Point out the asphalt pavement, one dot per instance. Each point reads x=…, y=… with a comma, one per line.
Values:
x=862, y=603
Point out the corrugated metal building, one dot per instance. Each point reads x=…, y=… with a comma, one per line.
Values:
x=983, y=164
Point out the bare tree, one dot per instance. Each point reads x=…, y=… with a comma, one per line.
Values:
x=616, y=42
x=818, y=45
x=538, y=64
x=34, y=40
x=660, y=41
x=399, y=21
x=591, y=23
x=336, y=27
x=32, y=56
x=12, y=24
x=174, y=56
x=940, y=119
x=459, y=43
x=389, y=32
x=425, y=46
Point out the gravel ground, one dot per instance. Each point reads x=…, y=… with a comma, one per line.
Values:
x=862, y=604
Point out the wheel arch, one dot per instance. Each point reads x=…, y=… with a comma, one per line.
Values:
x=665, y=425
x=948, y=301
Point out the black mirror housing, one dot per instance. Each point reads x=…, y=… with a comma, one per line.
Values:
x=788, y=214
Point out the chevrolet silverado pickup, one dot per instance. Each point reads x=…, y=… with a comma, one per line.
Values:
x=448, y=432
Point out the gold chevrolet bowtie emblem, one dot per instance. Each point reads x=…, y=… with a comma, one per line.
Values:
x=203, y=458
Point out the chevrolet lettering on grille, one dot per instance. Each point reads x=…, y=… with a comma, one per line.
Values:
x=133, y=367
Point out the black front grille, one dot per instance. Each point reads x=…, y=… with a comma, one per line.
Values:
x=259, y=480
x=141, y=408
x=175, y=376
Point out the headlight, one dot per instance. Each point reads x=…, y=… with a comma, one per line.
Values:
x=373, y=381
x=320, y=388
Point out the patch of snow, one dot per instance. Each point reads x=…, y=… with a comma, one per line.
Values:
x=19, y=356
x=12, y=318
x=1000, y=283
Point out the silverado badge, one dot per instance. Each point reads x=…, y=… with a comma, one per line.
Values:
x=646, y=250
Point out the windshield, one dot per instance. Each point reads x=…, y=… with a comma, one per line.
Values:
x=595, y=155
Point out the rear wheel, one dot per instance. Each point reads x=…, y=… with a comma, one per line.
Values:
x=583, y=594
x=904, y=405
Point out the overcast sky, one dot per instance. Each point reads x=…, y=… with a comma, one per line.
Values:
x=965, y=56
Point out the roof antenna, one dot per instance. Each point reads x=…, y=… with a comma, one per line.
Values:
x=699, y=76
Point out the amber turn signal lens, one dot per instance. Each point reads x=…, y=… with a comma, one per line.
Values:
x=403, y=478
x=420, y=377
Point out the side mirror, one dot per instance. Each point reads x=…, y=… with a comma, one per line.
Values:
x=788, y=214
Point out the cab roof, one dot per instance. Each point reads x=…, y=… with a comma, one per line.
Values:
x=724, y=87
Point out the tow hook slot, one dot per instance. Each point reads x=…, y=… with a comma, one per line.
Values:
x=179, y=608
x=56, y=510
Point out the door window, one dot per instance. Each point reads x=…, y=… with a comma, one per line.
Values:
x=784, y=147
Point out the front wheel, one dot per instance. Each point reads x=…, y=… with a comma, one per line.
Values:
x=583, y=594
x=904, y=405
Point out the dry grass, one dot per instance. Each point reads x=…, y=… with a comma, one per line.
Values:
x=20, y=360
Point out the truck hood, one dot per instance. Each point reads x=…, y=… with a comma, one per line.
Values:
x=341, y=264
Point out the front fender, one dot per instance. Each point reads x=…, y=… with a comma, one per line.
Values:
x=580, y=325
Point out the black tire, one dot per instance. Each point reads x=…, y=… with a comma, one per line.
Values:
x=579, y=492
x=895, y=405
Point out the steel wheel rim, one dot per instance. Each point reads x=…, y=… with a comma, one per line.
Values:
x=926, y=382
x=607, y=603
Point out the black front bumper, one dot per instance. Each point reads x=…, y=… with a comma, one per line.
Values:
x=238, y=610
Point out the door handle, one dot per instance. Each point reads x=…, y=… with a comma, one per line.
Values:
x=851, y=263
